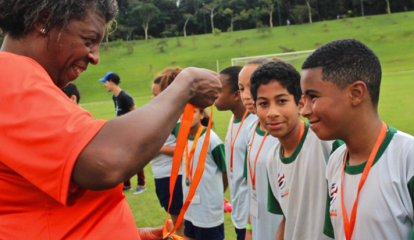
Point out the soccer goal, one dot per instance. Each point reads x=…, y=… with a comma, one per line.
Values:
x=295, y=58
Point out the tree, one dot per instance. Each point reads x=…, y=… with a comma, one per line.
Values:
x=187, y=17
x=310, y=10
x=388, y=6
x=299, y=13
x=211, y=10
x=256, y=13
x=217, y=33
x=269, y=8
x=144, y=13
x=233, y=17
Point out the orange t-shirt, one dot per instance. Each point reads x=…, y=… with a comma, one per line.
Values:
x=42, y=134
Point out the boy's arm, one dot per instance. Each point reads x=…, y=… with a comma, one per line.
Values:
x=225, y=181
x=167, y=150
x=281, y=230
x=248, y=230
x=220, y=159
x=327, y=227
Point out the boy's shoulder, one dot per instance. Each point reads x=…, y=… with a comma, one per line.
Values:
x=402, y=138
x=214, y=139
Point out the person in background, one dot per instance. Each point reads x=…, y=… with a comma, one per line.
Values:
x=162, y=163
x=124, y=103
x=73, y=93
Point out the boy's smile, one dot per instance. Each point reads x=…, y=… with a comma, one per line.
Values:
x=325, y=106
x=276, y=108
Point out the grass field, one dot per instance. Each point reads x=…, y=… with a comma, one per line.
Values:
x=390, y=36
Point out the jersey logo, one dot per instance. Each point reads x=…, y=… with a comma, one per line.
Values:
x=281, y=180
x=333, y=193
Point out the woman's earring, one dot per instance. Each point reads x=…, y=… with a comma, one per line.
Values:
x=43, y=30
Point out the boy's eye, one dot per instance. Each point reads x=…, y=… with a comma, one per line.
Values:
x=281, y=101
x=241, y=89
x=312, y=96
x=262, y=104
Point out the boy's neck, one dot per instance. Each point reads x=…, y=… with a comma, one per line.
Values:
x=193, y=130
x=238, y=111
x=291, y=140
x=361, y=140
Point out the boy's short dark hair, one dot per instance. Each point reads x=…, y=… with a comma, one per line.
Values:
x=282, y=72
x=233, y=80
x=346, y=61
x=70, y=90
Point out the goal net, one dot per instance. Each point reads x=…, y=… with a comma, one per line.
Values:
x=295, y=58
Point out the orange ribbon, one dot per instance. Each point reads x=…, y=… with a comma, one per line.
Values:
x=232, y=142
x=189, y=157
x=253, y=175
x=349, y=225
x=177, y=159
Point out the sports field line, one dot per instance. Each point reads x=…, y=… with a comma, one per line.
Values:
x=142, y=97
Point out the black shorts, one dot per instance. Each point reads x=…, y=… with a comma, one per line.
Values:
x=162, y=188
x=199, y=233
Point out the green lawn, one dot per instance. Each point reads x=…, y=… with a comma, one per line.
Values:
x=390, y=36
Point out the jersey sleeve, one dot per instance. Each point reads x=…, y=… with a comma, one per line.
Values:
x=176, y=130
x=219, y=157
x=42, y=131
x=327, y=227
x=273, y=205
x=245, y=169
x=336, y=144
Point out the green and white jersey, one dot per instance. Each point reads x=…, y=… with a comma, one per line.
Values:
x=206, y=209
x=297, y=186
x=264, y=224
x=237, y=183
x=162, y=163
x=385, y=202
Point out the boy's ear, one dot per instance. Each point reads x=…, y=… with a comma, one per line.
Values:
x=237, y=96
x=74, y=99
x=358, y=92
x=301, y=104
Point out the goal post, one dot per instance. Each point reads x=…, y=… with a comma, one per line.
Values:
x=295, y=58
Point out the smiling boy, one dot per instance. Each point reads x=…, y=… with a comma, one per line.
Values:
x=296, y=165
x=370, y=178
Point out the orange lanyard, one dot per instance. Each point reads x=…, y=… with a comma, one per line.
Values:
x=232, y=142
x=302, y=131
x=253, y=175
x=349, y=226
x=189, y=157
x=177, y=159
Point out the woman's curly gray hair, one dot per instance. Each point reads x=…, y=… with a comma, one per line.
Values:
x=17, y=17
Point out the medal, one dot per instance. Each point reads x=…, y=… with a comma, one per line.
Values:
x=231, y=174
x=187, y=182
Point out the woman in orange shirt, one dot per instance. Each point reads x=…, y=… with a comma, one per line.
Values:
x=60, y=174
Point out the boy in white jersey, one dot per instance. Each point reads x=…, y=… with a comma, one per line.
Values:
x=370, y=178
x=235, y=145
x=263, y=224
x=296, y=165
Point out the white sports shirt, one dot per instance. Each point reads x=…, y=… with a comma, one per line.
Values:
x=237, y=183
x=385, y=202
x=297, y=186
x=264, y=224
x=206, y=208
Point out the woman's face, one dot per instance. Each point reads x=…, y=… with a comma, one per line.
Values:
x=66, y=56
